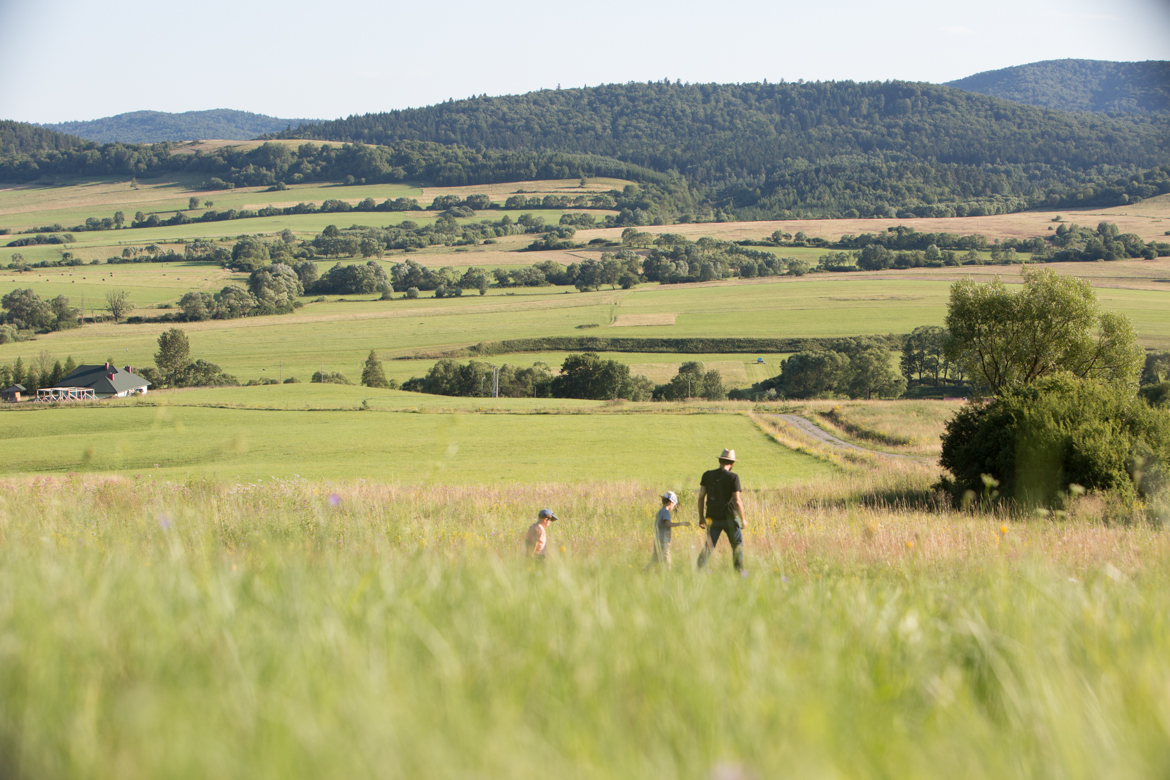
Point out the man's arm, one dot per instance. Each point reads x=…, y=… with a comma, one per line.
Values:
x=702, y=506
x=739, y=509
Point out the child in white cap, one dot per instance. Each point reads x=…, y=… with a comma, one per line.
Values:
x=662, y=526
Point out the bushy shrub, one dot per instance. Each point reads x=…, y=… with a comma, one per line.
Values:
x=329, y=378
x=1039, y=439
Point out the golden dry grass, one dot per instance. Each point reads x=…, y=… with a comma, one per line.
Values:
x=1149, y=219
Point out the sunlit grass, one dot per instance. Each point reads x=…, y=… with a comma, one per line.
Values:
x=285, y=628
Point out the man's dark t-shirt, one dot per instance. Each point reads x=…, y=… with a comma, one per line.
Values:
x=722, y=485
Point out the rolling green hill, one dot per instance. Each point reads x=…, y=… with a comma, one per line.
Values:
x=706, y=152
x=820, y=148
x=1079, y=85
x=149, y=127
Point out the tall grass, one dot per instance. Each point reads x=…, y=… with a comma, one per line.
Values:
x=298, y=629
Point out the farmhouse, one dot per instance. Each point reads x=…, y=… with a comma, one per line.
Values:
x=12, y=394
x=95, y=382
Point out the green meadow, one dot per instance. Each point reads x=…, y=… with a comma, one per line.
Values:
x=397, y=447
x=287, y=628
x=336, y=335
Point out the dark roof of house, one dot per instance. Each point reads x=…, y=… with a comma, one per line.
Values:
x=13, y=389
x=104, y=379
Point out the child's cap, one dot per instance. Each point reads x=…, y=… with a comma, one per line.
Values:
x=546, y=513
x=670, y=496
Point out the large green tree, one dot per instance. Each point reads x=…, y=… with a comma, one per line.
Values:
x=25, y=309
x=173, y=356
x=118, y=303
x=373, y=374
x=1005, y=339
x=589, y=376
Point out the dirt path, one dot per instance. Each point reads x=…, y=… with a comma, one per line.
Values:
x=825, y=437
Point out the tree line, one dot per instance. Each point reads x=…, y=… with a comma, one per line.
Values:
x=450, y=205
x=582, y=375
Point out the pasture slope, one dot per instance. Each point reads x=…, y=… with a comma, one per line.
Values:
x=302, y=580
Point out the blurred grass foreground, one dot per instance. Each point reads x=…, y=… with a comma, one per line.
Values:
x=290, y=629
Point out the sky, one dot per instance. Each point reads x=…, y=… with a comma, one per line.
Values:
x=65, y=60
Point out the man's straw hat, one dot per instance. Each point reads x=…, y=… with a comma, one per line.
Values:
x=728, y=455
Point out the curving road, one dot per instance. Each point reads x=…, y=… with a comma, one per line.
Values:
x=825, y=437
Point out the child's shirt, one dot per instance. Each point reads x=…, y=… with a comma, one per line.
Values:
x=662, y=526
x=535, y=539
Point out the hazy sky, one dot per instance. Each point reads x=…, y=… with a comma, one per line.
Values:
x=66, y=60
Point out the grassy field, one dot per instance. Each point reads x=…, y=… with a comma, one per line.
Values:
x=392, y=442
x=284, y=628
x=338, y=334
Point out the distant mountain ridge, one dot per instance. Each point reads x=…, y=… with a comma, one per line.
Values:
x=150, y=127
x=1095, y=86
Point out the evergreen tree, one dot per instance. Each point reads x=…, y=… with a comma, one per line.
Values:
x=372, y=373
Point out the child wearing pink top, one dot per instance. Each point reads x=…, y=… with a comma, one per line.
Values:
x=537, y=536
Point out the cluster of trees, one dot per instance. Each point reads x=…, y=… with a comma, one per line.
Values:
x=859, y=367
x=692, y=381
x=43, y=238
x=23, y=309
x=1059, y=379
x=175, y=368
x=272, y=289
x=585, y=375
x=924, y=359
x=1107, y=242
x=43, y=371
x=901, y=247
x=475, y=379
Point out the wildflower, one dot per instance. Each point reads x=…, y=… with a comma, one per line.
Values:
x=334, y=500
x=909, y=544
x=1003, y=529
x=164, y=522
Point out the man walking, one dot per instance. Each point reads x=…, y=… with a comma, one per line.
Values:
x=720, y=505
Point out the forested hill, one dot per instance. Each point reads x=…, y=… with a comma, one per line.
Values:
x=747, y=151
x=1079, y=85
x=149, y=127
x=818, y=148
x=20, y=138
x=711, y=133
